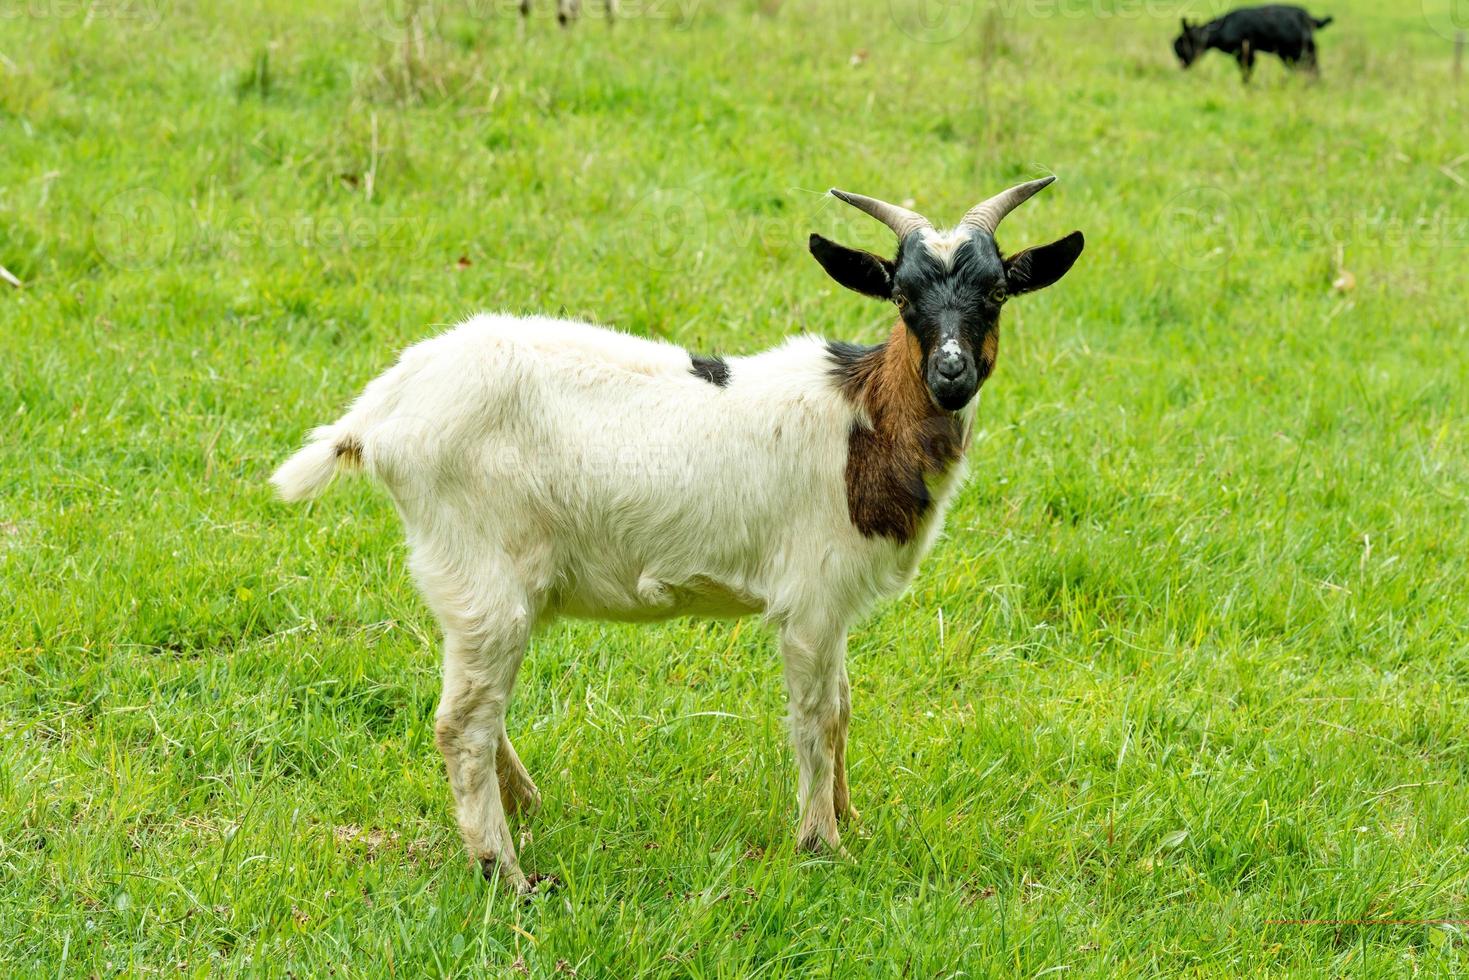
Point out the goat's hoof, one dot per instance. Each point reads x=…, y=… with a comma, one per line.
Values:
x=542, y=884
x=816, y=844
x=491, y=868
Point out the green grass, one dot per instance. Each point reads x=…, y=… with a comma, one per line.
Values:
x=1192, y=659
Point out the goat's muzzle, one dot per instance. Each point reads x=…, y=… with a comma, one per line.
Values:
x=952, y=378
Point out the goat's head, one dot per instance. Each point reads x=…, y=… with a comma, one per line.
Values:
x=949, y=286
x=1190, y=44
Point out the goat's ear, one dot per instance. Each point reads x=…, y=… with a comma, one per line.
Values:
x=1036, y=268
x=1184, y=22
x=862, y=272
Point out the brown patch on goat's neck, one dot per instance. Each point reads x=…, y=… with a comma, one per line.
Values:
x=905, y=439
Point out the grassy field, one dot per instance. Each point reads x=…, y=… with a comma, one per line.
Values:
x=1184, y=689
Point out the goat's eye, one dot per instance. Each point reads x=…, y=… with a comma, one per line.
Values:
x=997, y=295
x=901, y=300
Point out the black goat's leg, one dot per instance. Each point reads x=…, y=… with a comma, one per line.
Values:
x=1246, y=58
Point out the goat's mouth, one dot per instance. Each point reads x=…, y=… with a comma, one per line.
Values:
x=952, y=394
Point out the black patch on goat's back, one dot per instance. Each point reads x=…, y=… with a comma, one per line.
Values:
x=349, y=450
x=712, y=369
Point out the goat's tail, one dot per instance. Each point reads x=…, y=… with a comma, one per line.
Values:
x=1323, y=21
x=307, y=473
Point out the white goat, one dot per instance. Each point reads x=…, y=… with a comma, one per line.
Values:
x=546, y=468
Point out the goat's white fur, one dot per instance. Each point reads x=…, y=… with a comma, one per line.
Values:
x=543, y=467
x=943, y=245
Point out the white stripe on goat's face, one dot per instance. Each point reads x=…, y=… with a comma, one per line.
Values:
x=943, y=244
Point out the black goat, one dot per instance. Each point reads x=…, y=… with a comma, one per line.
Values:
x=1275, y=29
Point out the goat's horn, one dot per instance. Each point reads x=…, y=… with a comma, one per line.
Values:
x=902, y=221
x=987, y=215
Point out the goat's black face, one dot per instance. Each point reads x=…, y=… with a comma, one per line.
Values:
x=949, y=288
x=1189, y=45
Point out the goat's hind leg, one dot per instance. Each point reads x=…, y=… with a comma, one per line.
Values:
x=483, y=649
x=518, y=792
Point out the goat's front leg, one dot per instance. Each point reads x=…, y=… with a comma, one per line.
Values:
x=1246, y=61
x=814, y=656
